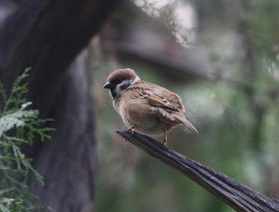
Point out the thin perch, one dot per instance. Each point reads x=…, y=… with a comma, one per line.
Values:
x=240, y=197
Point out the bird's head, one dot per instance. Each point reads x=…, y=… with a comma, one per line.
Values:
x=119, y=80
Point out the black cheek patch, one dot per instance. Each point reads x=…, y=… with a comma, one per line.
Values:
x=113, y=92
x=125, y=85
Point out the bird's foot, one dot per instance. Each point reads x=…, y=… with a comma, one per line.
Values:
x=131, y=130
x=165, y=141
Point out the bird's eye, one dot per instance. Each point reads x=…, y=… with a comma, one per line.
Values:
x=117, y=89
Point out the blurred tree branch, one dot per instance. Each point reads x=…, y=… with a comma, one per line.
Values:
x=146, y=40
x=238, y=196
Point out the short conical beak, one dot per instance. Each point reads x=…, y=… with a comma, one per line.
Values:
x=107, y=85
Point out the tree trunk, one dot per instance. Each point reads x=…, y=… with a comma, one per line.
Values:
x=47, y=35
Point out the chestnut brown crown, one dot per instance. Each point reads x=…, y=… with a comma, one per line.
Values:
x=119, y=80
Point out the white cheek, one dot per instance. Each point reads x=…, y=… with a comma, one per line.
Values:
x=114, y=105
x=118, y=90
x=136, y=79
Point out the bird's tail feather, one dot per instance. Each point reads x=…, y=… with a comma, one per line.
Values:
x=187, y=124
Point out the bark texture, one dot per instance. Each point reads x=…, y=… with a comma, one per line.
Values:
x=47, y=35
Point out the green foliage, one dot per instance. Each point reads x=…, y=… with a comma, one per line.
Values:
x=20, y=126
x=263, y=23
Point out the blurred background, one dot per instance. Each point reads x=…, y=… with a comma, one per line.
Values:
x=222, y=58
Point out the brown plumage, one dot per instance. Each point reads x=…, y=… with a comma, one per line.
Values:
x=146, y=107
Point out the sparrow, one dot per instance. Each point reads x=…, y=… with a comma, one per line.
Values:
x=146, y=107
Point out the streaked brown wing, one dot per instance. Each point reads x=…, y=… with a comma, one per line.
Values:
x=157, y=101
x=158, y=96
